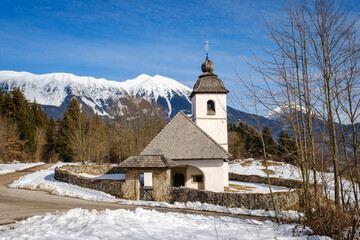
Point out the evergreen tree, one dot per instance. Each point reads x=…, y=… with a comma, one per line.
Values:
x=287, y=148
x=39, y=117
x=253, y=143
x=72, y=141
x=50, y=135
x=269, y=142
x=8, y=107
x=24, y=118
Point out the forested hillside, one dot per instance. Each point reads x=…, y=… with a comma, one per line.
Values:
x=26, y=134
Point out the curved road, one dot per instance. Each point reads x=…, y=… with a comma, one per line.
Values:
x=17, y=204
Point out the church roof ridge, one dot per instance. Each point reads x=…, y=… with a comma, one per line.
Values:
x=191, y=151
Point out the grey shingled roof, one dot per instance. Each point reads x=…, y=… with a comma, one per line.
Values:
x=183, y=139
x=148, y=161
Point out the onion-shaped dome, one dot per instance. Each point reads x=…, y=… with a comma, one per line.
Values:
x=207, y=66
x=208, y=82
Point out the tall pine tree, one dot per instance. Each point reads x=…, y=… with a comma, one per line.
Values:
x=287, y=148
x=269, y=142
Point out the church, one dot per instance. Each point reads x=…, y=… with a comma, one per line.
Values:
x=193, y=152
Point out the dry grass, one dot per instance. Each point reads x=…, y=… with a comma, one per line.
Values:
x=246, y=163
x=332, y=222
x=270, y=163
x=271, y=172
x=237, y=188
x=295, y=207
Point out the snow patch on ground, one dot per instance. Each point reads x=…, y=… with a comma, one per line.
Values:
x=288, y=171
x=248, y=187
x=257, y=167
x=16, y=166
x=146, y=224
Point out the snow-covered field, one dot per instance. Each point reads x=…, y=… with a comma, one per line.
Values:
x=248, y=187
x=146, y=224
x=16, y=166
x=257, y=167
x=288, y=171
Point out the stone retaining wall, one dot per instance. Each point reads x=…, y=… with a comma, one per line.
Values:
x=241, y=200
x=113, y=187
x=121, y=189
x=92, y=169
x=274, y=181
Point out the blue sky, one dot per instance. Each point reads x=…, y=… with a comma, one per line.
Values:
x=118, y=40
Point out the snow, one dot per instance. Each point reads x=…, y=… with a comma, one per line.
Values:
x=288, y=171
x=52, y=89
x=257, y=167
x=16, y=166
x=146, y=224
x=117, y=176
x=248, y=187
x=44, y=180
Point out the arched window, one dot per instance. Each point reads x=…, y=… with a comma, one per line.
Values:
x=210, y=107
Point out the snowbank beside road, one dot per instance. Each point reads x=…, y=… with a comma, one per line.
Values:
x=16, y=166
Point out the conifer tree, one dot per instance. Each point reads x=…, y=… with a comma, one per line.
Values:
x=50, y=135
x=72, y=134
x=253, y=143
x=8, y=107
x=287, y=148
x=269, y=142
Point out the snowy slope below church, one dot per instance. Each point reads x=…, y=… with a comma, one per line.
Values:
x=55, y=90
x=287, y=171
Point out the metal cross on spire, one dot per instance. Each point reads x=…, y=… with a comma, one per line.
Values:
x=207, y=48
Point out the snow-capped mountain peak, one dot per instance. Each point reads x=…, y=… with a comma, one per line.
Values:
x=154, y=87
x=53, y=89
x=284, y=110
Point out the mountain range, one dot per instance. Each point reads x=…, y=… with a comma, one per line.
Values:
x=54, y=92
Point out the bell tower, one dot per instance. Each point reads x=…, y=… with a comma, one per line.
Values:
x=208, y=100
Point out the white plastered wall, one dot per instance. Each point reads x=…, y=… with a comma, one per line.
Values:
x=213, y=125
x=226, y=173
x=213, y=171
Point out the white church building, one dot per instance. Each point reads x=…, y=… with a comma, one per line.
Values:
x=198, y=146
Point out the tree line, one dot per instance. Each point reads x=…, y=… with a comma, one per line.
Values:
x=246, y=142
x=27, y=135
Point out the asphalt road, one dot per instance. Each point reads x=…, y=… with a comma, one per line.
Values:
x=18, y=204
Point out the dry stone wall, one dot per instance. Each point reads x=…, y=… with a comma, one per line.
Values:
x=66, y=174
x=163, y=192
x=92, y=169
x=274, y=181
x=283, y=200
